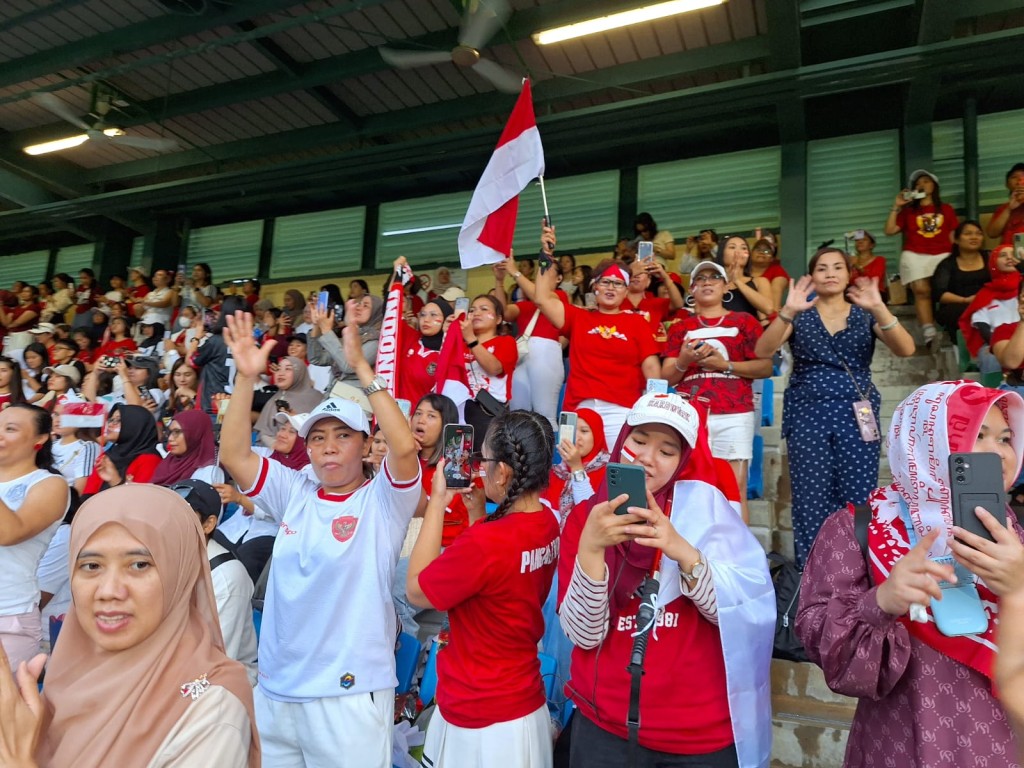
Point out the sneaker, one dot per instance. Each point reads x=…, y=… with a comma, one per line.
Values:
x=929, y=333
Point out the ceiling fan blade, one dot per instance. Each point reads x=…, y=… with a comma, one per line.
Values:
x=138, y=142
x=482, y=20
x=503, y=79
x=410, y=59
x=52, y=104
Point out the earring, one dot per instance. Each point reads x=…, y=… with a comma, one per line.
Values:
x=728, y=297
x=689, y=300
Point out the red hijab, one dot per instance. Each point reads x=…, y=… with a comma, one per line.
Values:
x=200, y=449
x=297, y=458
x=1002, y=286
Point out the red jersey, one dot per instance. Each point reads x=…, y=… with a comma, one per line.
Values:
x=493, y=582
x=1013, y=225
x=1003, y=333
x=654, y=311
x=503, y=348
x=734, y=336
x=544, y=329
x=418, y=372
x=685, y=656
x=926, y=230
x=605, y=355
x=139, y=471
x=874, y=269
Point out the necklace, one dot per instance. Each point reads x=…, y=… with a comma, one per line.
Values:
x=700, y=319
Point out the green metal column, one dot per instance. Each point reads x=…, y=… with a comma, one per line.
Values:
x=113, y=251
x=629, y=193
x=266, y=250
x=167, y=245
x=971, y=183
x=917, y=148
x=793, y=207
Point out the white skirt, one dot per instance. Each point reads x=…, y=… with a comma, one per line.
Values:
x=526, y=742
x=731, y=435
x=918, y=266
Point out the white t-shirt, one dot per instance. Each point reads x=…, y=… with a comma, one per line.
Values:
x=160, y=315
x=233, y=590
x=329, y=624
x=19, y=587
x=998, y=312
x=75, y=459
x=54, y=577
x=241, y=527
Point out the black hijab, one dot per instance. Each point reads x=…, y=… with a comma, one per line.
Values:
x=137, y=438
x=434, y=342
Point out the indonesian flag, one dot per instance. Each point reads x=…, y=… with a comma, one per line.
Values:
x=452, y=381
x=391, y=330
x=486, y=235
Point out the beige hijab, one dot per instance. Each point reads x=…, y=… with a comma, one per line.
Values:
x=116, y=708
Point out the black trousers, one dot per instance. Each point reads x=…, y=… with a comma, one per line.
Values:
x=594, y=747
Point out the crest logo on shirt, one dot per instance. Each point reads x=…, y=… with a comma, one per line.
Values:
x=930, y=224
x=606, y=332
x=344, y=527
x=431, y=369
x=347, y=680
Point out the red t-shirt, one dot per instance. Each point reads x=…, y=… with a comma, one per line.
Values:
x=653, y=310
x=16, y=314
x=684, y=705
x=1003, y=333
x=735, y=337
x=605, y=355
x=503, y=348
x=544, y=329
x=85, y=299
x=1013, y=225
x=925, y=230
x=775, y=270
x=117, y=348
x=418, y=372
x=139, y=471
x=493, y=582
x=874, y=269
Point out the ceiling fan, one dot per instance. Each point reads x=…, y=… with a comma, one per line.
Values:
x=99, y=129
x=483, y=18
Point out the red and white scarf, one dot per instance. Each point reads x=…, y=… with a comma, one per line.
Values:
x=936, y=420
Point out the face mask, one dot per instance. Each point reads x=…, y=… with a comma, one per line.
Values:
x=185, y=322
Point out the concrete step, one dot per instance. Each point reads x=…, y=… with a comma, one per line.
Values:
x=810, y=723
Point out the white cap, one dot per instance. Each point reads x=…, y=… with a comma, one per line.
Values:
x=671, y=410
x=922, y=172
x=452, y=293
x=295, y=419
x=714, y=266
x=345, y=411
x=152, y=317
x=44, y=328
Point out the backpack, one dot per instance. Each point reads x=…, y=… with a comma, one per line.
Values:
x=786, y=579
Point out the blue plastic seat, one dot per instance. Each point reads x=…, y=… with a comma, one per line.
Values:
x=407, y=655
x=755, y=477
x=257, y=620
x=767, y=402
x=428, y=685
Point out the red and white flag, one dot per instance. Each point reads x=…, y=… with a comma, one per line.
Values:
x=452, y=381
x=486, y=234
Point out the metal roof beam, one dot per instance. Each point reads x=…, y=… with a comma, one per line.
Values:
x=21, y=192
x=784, y=33
x=132, y=38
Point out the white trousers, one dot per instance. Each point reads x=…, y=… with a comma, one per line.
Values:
x=338, y=732
x=613, y=416
x=537, y=383
x=524, y=743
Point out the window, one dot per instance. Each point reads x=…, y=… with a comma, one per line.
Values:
x=999, y=147
x=318, y=243
x=74, y=258
x=585, y=210
x=29, y=267
x=425, y=230
x=231, y=250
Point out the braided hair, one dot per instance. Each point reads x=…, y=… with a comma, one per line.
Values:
x=523, y=441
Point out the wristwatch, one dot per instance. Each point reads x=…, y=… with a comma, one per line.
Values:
x=378, y=384
x=695, y=573
x=579, y=476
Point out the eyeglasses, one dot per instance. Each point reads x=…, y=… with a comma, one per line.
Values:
x=477, y=459
x=175, y=433
x=605, y=282
x=763, y=250
x=706, y=277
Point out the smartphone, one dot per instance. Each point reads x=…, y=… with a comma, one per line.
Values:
x=976, y=480
x=462, y=305
x=645, y=250
x=282, y=405
x=858, y=234
x=627, y=478
x=322, y=300
x=657, y=386
x=567, y=426
x=404, y=406
x=458, y=450
x=1018, y=246
x=590, y=300
x=960, y=611
x=339, y=314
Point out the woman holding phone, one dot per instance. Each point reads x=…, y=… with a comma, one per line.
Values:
x=923, y=695
x=690, y=537
x=492, y=581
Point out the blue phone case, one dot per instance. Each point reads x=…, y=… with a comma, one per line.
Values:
x=960, y=611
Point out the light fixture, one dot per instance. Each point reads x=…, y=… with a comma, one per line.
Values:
x=68, y=143
x=622, y=19
x=56, y=146
x=416, y=230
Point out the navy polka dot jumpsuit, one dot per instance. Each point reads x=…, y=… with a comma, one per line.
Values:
x=829, y=464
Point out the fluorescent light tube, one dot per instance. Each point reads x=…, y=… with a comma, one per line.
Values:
x=622, y=19
x=56, y=146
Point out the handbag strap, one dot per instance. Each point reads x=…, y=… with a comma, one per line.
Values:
x=842, y=360
x=530, y=325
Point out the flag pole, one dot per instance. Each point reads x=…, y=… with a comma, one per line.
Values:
x=544, y=198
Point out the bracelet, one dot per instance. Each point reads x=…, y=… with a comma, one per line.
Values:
x=889, y=326
x=516, y=275
x=785, y=318
x=730, y=369
x=676, y=364
x=471, y=344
